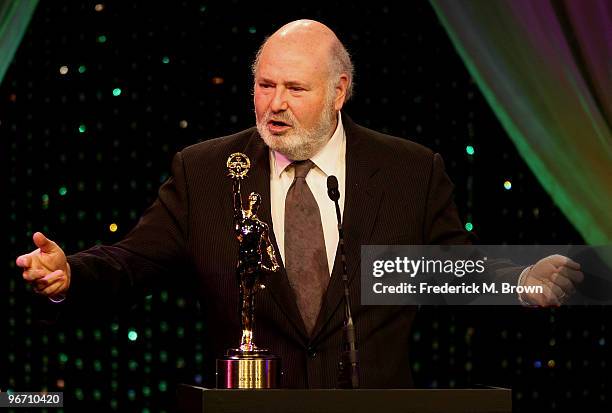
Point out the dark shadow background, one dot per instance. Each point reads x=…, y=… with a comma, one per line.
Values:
x=182, y=68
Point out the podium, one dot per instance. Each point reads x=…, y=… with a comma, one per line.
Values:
x=193, y=399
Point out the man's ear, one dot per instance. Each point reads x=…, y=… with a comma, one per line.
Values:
x=341, y=89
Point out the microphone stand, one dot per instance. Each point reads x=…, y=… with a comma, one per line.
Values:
x=348, y=369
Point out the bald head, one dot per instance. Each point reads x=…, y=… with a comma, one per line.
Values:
x=317, y=42
x=311, y=34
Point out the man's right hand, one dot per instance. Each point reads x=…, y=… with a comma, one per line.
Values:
x=46, y=268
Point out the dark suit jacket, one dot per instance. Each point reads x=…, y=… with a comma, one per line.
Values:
x=396, y=193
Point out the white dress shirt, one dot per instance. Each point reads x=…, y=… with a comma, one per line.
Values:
x=330, y=160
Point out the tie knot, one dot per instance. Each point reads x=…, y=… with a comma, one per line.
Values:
x=302, y=168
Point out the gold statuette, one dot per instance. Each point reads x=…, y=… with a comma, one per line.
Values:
x=249, y=366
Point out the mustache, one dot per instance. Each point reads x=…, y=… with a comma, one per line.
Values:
x=285, y=117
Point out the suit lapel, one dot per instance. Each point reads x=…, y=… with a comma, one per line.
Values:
x=362, y=201
x=258, y=181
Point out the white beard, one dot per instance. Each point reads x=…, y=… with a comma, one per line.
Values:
x=299, y=143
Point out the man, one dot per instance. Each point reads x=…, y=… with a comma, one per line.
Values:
x=393, y=191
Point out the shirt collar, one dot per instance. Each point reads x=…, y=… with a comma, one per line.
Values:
x=326, y=159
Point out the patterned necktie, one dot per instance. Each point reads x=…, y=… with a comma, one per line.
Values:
x=305, y=254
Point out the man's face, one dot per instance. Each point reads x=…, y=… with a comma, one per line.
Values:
x=294, y=103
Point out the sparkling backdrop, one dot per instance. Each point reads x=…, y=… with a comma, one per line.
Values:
x=100, y=96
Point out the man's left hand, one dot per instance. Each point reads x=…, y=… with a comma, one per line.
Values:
x=558, y=275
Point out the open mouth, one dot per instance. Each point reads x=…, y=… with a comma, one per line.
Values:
x=278, y=123
x=277, y=126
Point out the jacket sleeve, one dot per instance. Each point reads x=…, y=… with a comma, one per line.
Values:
x=443, y=226
x=152, y=254
x=442, y=223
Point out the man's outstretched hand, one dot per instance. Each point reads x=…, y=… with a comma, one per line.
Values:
x=558, y=275
x=46, y=268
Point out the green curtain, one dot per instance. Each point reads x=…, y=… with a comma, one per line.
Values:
x=545, y=67
x=14, y=18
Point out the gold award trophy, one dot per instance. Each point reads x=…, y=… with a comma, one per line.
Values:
x=248, y=366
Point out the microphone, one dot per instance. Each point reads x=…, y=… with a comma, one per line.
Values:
x=348, y=371
x=332, y=189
